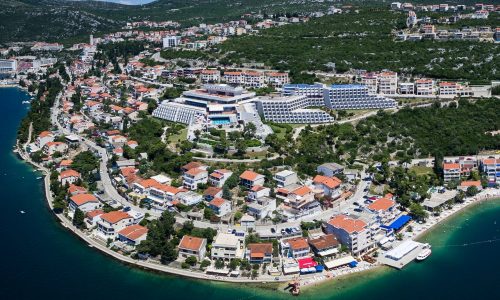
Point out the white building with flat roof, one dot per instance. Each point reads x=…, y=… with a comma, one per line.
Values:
x=227, y=246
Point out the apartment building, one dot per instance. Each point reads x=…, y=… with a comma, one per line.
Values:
x=171, y=41
x=220, y=207
x=329, y=185
x=387, y=83
x=277, y=79
x=52, y=147
x=43, y=138
x=330, y=169
x=370, y=80
x=354, y=233
x=451, y=172
x=295, y=247
x=68, y=177
x=262, y=207
x=84, y=202
x=424, y=87
x=112, y=222
x=313, y=92
x=210, y=76
x=178, y=112
x=406, y=88
x=448, y=89
x=227, y=246
x=258, y=191
x=8, y=65
x=324, y=246
x=291, y=109
x=193, y=177
x=491, y=167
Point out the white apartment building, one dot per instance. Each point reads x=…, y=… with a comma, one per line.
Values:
x=370, y=80
x=354, y=233
x=291, y=109
x=451, y=171
x=277, y=79
x=447, y=88
x=227, y=246
x=424, y=87
x=491, y=166
x=218, y=177
x=210, y=76
x=112, y=222
x=193, y=177
x=262, y=207
x=8, y=65
x=406, y=88
x=178, y=112
x=388, y=83
x=171, y=41
x=285, y=178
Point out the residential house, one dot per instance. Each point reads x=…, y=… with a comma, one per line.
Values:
x=84, y=202
x=295, y=247
x=218, y=177
x=212, y=192
x=329, y=185
x=285, y=178
x=385, y=208
x=192, y=246
x=193, y=165
x=262, y=207
x=227, y=246
x=491, y=167
x=451, y=172
x=464, y=185
x=221, y=207
x=92, y=217
x=259, y=253
x=325, y=245
x=111, y=223
x=189, y=198
x=76, y=190
x=133, y=235
x=330, y=169
x=68, y=177
x=43, y=138
x=249, y=179
x=52, y=147
x=193, y=177
x=258, y=191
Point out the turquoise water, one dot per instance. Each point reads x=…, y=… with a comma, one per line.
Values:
x=129, y=2
x=41, y=260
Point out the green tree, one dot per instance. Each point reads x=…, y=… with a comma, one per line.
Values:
x=191, y=260
x=79, y=219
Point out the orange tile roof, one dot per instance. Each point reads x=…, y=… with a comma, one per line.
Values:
x=115, y=216
x=94, y=213
x=81, y=199
x=76, y=189
x=194, y=172
x=249, y=175
x=168, y=189
x=348, y=224
x=382, y=204
x=297, y=243
x=476, y=183
x=217, y=202
x=147, y=183
x=69, y=173
x=192, y=165
x=212, y=191
x=260, y=250
x=191, y=243
x=257, y=188
x=65, y=163
x=324, y=242
x=133, y=232
x=450, y=166
x=301, y=191
x=45, y=134
x=330, y=182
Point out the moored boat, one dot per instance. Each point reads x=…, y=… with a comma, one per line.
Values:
x=424, y=253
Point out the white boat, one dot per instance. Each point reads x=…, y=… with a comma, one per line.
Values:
x=424, y=253
x=22, y=211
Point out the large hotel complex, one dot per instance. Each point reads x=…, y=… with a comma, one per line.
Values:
x=225, y=105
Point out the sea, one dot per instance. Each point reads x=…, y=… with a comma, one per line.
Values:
x=42, y=260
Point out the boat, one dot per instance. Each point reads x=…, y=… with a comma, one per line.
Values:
x=39, y=178
x=22, y=211
x=424, y=253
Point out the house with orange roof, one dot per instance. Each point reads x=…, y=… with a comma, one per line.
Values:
x=75, y=190
x=351, y=232
x=194, y=176
x=161, y=194
x=92, y=217
x=258, y=191
x=297, y=247
x=192, y=246
x=64, y=165
x=385, y=208
x=250, y=178
x=117, y=139
x=193, y=165
x=259, y=253
x=212, y=192
x=52, y=147
x=143, y=186
x=43, y=138
x=464, y=185
x=132, y=144
x=132, y=235
x=84, y=202
x=68, y=177
x=218, y=177
x=111, y=223
x=329, y=185
x=220, y=206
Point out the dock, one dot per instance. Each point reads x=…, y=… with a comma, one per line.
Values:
x=402, y=254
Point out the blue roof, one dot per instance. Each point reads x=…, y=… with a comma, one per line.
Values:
x=400, y=222
x=347, y=86
x=353, y=264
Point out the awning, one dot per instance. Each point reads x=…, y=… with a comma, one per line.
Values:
x=217, y=271
x=353, y=264
x=328, y=252
x=339, y=262
x=399, y=222
x=307, y=262
x=291, y=270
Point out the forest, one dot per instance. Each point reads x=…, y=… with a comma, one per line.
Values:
x=362, y=41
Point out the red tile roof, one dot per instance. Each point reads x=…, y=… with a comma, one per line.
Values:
x=298, y=243
x=133, y=232
x=348, y=224
x=191, y=243
x=212, y=191
x=258, y=250
x=81, y=199
x=69, y=173
x=330, y=182
x=382, y=204
x=115, y=216
x=301, y=191
x=217, y=202
x=249, y=175
x=450, y=166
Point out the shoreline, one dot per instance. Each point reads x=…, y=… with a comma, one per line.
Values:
x=186, y=273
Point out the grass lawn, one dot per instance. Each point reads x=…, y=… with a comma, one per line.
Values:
x=420, y=170
x=181, y=136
